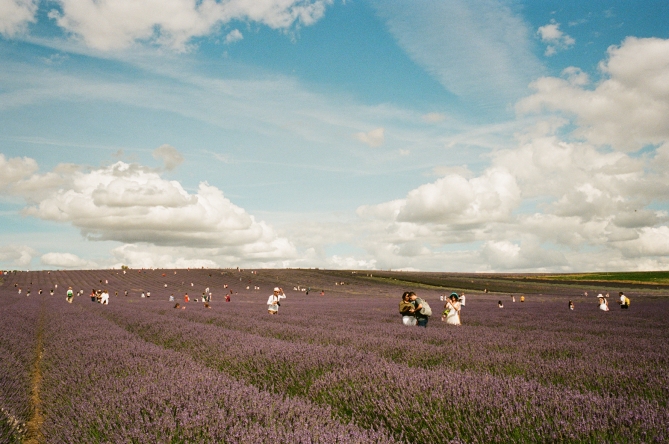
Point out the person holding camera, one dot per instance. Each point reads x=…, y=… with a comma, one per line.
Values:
x=273, y=302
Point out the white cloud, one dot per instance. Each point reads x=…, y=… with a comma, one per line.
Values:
x=628, y=110
x=455, y=201
x=373, y=138
x=17, y=255
x=434, y=117
x=132, y=204
x=472, y=47
x=555, y=38
x=66, y=260
x=111, y=25
x=14, y=169
x=15, y=16
x=169, y=155
x=233, y=36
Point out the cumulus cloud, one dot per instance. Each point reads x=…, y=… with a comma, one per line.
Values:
x=169, y=155
x=628, y=110
x=455, y=201
x=133, y=204
x=554, y=38
x=66, y=260
x=373, y=138
x=14, y=169
x=17, y=255
x=15, y=15
x=233, y=36
x=111, y=25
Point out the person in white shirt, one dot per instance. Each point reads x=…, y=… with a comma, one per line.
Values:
x=273, y=300
x=104, y=298
x=603, y=305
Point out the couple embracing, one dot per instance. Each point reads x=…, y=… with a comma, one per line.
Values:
x=414, y=310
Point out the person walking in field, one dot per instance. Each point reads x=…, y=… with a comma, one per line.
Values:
x=407, y=310
x=274, y=299
x=70, y=295
x=421, y=308
x=452, y=310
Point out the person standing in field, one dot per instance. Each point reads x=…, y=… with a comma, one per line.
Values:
x=104, y=298
x=571, y=305
x=186, y=298
x=407, y=310
x=93, y=295
x=274, y=299
x=603, y=305
x=452, y=310
x=419, y=305
x=70, y=295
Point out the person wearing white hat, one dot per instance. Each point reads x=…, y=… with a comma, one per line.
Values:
x=273, y=300
x=603, y=304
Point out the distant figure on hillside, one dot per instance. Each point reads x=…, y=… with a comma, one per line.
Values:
x=522, y=299
x=407, y=310
x=186, y=298
x=603, y=304
x=93, y=295
x=70, y=295
x=273, y=302
x=143, y=295
x=462, y=299
x=227, y=298
x=624, y=301
x=177, y=305
x=171, y=298
x=452, y=310
x=571, y=305
x=499, y=304
x=322, y=292
x=19, y=290
x=420, y=307
x=513, y=298
x=104, y=298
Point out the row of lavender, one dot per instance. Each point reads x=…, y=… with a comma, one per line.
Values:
x=19, y=322
x=333, y=354
x=102, y=384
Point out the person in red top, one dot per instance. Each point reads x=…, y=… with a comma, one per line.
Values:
x=186, y=298
x=227, y=298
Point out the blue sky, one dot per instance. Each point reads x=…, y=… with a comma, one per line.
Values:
x=433, y=135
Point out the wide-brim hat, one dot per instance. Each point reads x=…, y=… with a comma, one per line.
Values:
x=454, y=294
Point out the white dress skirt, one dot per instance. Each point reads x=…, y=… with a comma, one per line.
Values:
x=603, y=307
x=409, y=320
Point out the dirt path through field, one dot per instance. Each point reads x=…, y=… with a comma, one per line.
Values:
x=34, y=425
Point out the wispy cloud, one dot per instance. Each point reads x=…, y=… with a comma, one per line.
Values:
x=479, y=50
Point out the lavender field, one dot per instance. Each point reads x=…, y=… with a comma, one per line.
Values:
x=332, y=368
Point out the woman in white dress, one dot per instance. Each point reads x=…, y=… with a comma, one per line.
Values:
x=603, y=304
x=452, y=306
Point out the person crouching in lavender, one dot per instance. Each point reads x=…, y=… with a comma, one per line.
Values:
x=407, y=310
